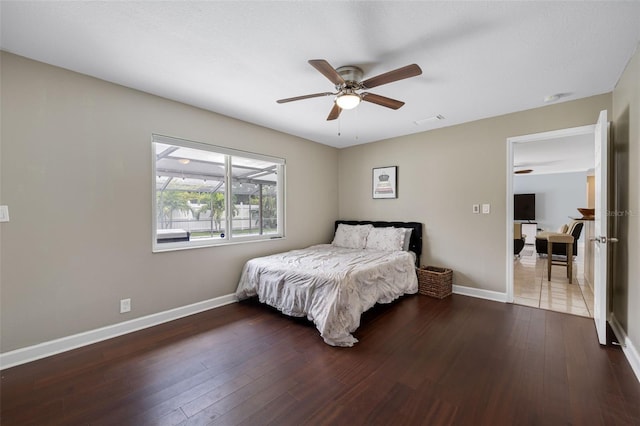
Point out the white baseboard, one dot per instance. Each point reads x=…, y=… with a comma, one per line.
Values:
x=52, y=347
x=630, y=351
x=480, y=294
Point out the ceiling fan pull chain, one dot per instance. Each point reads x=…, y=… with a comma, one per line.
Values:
x=357, y=125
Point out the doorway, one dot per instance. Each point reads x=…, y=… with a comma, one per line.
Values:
x=549, y=158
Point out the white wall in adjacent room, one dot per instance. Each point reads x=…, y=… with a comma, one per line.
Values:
x=558, y=196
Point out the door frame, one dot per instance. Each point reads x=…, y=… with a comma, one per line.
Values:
x=511, y=142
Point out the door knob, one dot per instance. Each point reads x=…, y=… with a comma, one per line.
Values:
x=604, y=239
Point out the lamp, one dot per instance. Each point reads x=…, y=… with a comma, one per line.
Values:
x=348, y=99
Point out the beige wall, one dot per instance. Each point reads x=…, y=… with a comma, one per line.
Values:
x=591, y=192
x=442, y=173
x=75, y=171
x=626, y=187
x=76, y=174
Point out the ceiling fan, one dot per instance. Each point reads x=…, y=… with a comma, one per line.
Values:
x=348, y=82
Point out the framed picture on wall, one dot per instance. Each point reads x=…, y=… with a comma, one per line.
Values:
x=385, y=182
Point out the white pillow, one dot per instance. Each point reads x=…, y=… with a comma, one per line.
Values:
x=351, y=236
x=387, y=239
x=407, y=238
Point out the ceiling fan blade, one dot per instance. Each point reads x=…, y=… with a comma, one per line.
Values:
x=299, y=98
x=391, y=76
x=381, y=100
x=335, y=112
x=327, y=70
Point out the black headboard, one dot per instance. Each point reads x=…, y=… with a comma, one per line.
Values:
x=415, y=244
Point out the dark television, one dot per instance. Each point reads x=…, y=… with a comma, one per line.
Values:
x=524, y=207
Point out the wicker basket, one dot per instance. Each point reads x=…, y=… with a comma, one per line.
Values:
x=434, y=281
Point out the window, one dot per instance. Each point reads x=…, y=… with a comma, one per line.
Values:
x=207, y=195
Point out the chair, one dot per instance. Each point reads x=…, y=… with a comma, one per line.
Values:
x=518, y=239
x=574, y=229
x=558, y=240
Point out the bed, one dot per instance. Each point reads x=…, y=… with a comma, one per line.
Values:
x=333, y=284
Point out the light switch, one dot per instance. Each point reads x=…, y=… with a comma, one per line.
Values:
x=486, y=208
x=476, y=208
x=4, y=213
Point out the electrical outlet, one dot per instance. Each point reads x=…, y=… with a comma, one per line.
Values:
x=125, y=305
x=476, y=209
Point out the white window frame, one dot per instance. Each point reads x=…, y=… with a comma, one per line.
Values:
x=228, y=238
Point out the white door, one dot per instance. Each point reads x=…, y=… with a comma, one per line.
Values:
x=601, y=241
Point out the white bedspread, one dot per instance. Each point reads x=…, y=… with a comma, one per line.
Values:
x=331, y=286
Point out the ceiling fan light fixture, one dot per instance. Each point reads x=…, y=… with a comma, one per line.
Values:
x=347, y=81
x=348, y=100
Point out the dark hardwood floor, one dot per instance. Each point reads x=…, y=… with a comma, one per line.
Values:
x=459, y=361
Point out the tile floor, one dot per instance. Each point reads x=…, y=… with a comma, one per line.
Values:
x=531, y=288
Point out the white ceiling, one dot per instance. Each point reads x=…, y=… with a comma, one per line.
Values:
x=558, y=155
x=479, y=59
